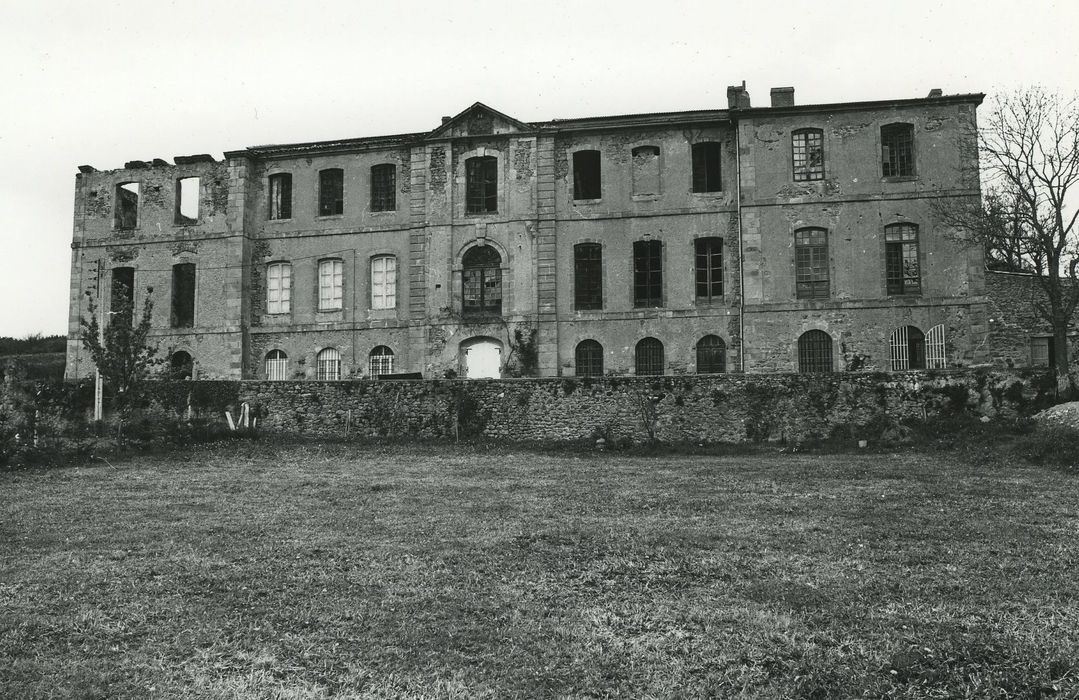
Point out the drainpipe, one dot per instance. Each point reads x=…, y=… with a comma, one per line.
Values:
x=741, y=257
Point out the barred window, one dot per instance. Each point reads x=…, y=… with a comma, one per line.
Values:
x=281, y=196
x=278, y=288
x=711, y=355
x=648, y=357
x=383, y=282
x=709, y=268
x=331, y=192
x=482, y=281
x=647, y=274
x=811, y=263
x=587, y=276
x=807, y=149
x=330, y=284
x=328, y=365
x=907, y=345
x=380, y=361
x=897, y=150
x=589, y=359
x=384, y=187
x=815, y=352
x=481, y=185
x=901, y=267
x=706, y=167
x=276, y=366
x=586, y=175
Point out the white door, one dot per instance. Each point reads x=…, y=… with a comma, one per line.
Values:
x=483, y=360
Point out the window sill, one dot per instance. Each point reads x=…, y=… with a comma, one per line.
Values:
x=279, y=221
x=807, y=180
x=645, y=197
x=382, y=212
x=586, y=202
x=329, y=217
x=709, y=301
x=480, y=214
x=711, y=194
x=899, y=178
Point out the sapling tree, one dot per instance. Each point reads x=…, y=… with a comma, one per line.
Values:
x=122, y=351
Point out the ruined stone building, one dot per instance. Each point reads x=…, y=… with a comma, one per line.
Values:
x=747, y=239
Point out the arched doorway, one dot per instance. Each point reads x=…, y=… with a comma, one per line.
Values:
x=481, y=358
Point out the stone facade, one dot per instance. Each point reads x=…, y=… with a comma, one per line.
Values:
x=683, y=225
x=1018, y=337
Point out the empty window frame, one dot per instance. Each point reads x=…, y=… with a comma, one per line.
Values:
x=380, y=361
x=1041, y=352
x=647, y=274
x=331, y=192
x=331, y=275
x=383, y=282
x=276, y=366
x=183, y=295
x=811, y=263
x=588, y=359
x=328, y=365
x=907, y=348
x=187, y=201
x=280, y=189
x=126, y=210
x=815, y=352
x=122, y=297
x=706, y=168
x=587, y=276
x=278, y=288
x=586, y=175
x=646, y=170
x=181, y=365
x=481, y=185
x=648, y=357
x=902, y=270
x=807, y=153
x=709, y=268
x=384, y=187
x=481, y=281
x=897, y=150
x=711, y=355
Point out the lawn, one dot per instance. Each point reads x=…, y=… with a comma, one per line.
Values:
x=259, y=571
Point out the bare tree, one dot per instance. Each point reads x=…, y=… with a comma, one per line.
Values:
x=1028, y=149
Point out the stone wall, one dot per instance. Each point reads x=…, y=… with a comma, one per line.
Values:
x=1013, y=321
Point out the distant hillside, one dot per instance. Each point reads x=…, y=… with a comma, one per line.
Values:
x=32, y=344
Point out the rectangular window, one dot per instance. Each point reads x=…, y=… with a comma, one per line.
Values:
x=330, y=284
x=123, y=290
x=187, y=201
x=897, y=150
x=383, y=282
x=183, y=295
x=807, y=148
x=647, y=274
x=481, y=185
x=646, y=170
x=331, y=192
x=1041, y=352
x=281, y=196
x=278, y=288
x=709, y=264
x=811, y=263
x=901, y=268
x=587, y=276
x=586, y=175
x=706, y=173
x=126, y=211
x=384, y=187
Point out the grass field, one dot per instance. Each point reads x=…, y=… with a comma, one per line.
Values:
x=249, y=571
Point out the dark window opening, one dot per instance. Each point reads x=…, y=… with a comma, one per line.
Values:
x=646, y=170
x=181, y=365
x=481, y=185
x=127, y=206
x=187, y=201
x=711, y=355
x=183, y=295
x=647, y=274
x=807, y=147
x=281, y=196
x=123, y=291
x=588, y=359
x=586, y=175
x=709, y=267
x=1042, y=352
x=587, y=276
x=815, y=352
x=901, y=267
x=897, y=150
x=384, y=187
x=706, y=172
x=331, y=192
x=916, y=347
x=482, y=282
x=648, y=357
x=811, y=263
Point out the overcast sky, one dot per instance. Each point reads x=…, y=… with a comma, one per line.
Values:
x=106, y=82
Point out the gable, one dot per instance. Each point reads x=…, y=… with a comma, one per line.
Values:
x=479, y=120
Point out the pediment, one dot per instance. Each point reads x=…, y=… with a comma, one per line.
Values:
x=479, y=120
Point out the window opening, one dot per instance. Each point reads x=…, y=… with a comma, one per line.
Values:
x=646, y=170
x=183, y=295
x=706, y=172
x=380, y=361
x=907, y=348
x=711, y=355
x=709, y=263
x=482, y=281
x=328, y=365
x=648, y=357
x=127, y=206
x=481, y=185
x=588, y=359
x=384, y=187
x=330, y=284
x=181, y=365
x=187, y=201
x=815, y=352
x=811, y=263
x=278, y=288
x=331, y=192
x=586, y=175
x=897, y=150
x=807, y=148
x=901, y=267
x=647, y=274
x=123, y=291
x=587, y=276
x=1041, y=352
x=383, y=282
x=281, y=196
x=276, y=366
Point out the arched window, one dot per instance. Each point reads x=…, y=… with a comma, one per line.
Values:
x=648, y=357
x=907, y=348
x=380, y=361
x=482, y=282
x=181, y=366
x=276, y=366
x=328, y=365
x=711, y=355
x=481, y=185
x=815, y=352
x=588, y=359
x=936, y=352
x=278, y=288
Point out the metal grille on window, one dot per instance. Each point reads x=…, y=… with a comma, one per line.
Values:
x=328, y=365
x=380, y=361
x=647, y=274
x=330, y=284
x=811, y=263
x=897, y=150
x=815, y=352
x=907, y=348
x=936, y=353
x=709, y=260
x=711, y=355
x=278, y=288
x=276, y=366
x=589, y=359
x=331, y=192
x=383, y=282
x=482, y=281
x=587, y=276
x=901, y=267
x=384, y=187
x=807, y=146
x=648, y=357
x=481, y=185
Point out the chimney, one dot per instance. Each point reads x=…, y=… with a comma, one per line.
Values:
x=737, y=97
x=936, y=92
x=783, y=97
x=447, y=120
